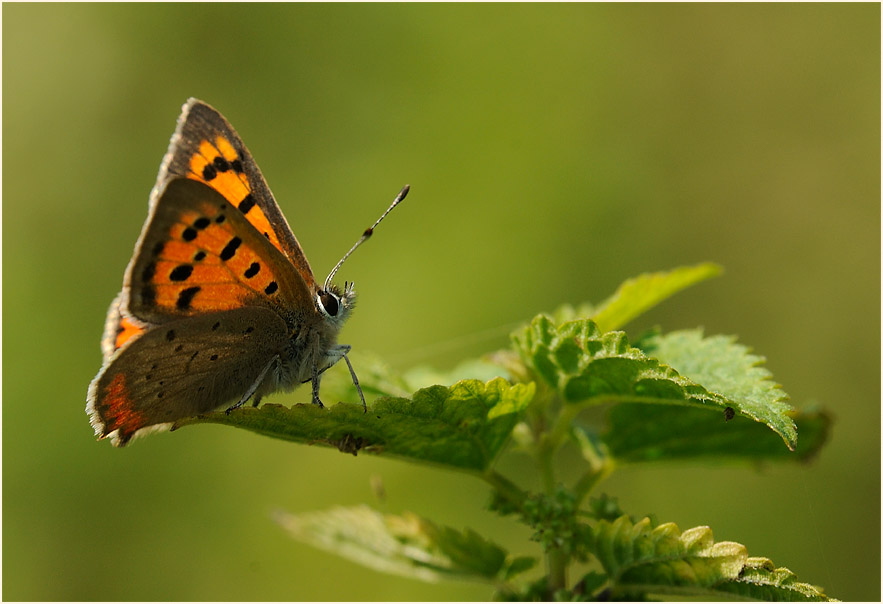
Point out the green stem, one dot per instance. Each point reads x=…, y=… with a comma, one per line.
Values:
x=600, y=467
x=588, y=481
x=556, y=563
x=506, y=488
x=563, y=424
x=548, y=444
x=545, y=458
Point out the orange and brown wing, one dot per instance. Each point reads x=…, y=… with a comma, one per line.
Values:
x=119, y=328
x=183, y=368
x=198, y=254
x=206, y=148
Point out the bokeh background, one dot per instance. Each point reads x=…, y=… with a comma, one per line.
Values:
x=553, y=151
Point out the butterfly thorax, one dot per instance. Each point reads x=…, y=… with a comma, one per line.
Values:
x=312, y=340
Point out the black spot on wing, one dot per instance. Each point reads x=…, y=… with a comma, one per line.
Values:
x=181, y=272
x=221, y=164
x=247, y=204
x=185, y=298
x=230, y=249
x=252, y=270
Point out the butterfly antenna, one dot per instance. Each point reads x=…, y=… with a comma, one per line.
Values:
x=366, y=235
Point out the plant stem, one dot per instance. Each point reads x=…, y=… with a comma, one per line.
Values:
x=600, y=467
x=556, y=563
x=545, y=458
x=588, y=481
x=556, y=560
x=506, y=488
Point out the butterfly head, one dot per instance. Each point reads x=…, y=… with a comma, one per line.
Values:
x=336, y=304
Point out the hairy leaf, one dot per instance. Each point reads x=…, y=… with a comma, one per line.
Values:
x=376, y=378
x=464, y=426
x=638, y=295
x=645, y=432
x=655, y=560
x=761, y=580
x=644, y=561
x=725, y=367
x=404, y=544
x=587, y=367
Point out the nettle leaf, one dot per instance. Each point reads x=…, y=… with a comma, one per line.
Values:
x=464, y=426
x=648, y=432
x=725, y=367
x=640, y=558
x=642, y=561
x=422, y=376
x=587, y=367
x=404, y=544
x=761, y=580
x=376, y=378
x=638, y=295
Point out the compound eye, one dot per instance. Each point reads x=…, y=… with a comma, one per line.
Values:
x=330, y=303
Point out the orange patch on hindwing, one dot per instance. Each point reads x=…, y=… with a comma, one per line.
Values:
x=219, y=165
x=126, y=330
x=118, y=409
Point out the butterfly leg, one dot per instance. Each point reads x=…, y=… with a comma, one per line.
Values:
x=334, y=355
x=356, y=382
x=253, y=388
x=339, y=352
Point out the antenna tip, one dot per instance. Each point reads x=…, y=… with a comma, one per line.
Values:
x=404, y=192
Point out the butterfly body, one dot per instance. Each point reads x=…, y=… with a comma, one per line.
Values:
x=219, y=305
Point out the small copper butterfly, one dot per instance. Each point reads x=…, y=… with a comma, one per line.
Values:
x=219, y=304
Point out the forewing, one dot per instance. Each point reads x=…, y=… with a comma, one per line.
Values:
x=183, y=368
x=206, y=148
x=198, y=254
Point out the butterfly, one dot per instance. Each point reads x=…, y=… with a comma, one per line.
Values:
x=219, y=305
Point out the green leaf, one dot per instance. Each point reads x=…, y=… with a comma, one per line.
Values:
x=645, y=433
x=376, y=378
x=464, y=426
x=404, y=544
x=422, y=376
x=517, y=565
x=587, y=367
x=636, y=296
x=643, y=561
x=727, y=368
x=591, y=582
x=761, y=580
x=604, y=507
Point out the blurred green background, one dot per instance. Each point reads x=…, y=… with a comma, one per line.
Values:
x=553, y=151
